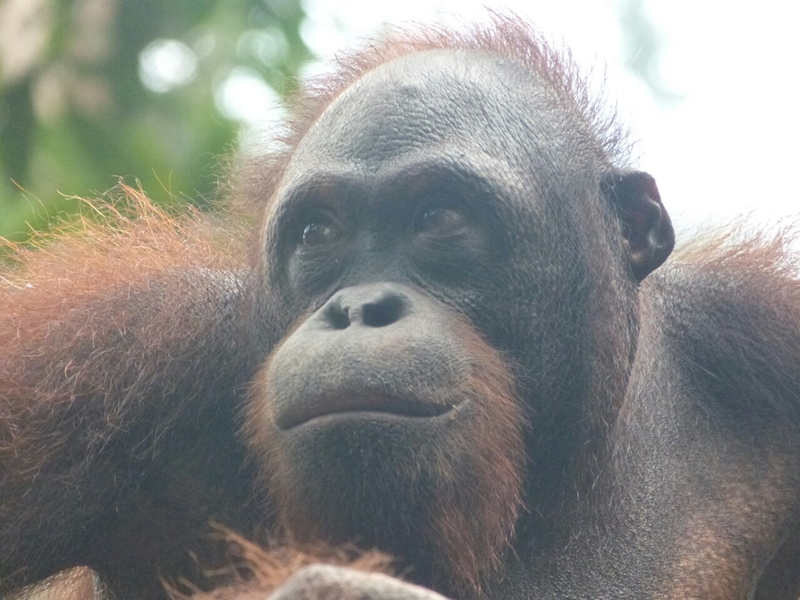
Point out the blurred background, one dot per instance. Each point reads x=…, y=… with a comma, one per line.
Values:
x=156, y=91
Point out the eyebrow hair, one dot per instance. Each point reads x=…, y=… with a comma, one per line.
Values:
x=445, y=173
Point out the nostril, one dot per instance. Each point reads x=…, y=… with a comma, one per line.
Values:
x=384, y=312
x=338, y=316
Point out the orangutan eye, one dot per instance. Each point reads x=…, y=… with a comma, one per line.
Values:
x=319, y=233
x=441, y=222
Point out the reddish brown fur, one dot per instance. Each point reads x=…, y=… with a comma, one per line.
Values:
x=60, y=310
x=739, y=291
x=72, y=330
x=760, y=272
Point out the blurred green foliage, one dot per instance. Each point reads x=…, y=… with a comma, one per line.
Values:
x=93, y=90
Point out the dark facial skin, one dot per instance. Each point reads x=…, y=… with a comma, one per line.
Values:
x=389, y=416
x=389, y=233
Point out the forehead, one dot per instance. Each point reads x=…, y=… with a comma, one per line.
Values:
x=447, y=103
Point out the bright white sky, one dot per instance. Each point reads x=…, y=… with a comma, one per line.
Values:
x=728, y=146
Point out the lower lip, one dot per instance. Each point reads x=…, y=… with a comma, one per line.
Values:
x=370, y=416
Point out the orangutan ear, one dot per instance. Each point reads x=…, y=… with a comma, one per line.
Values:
x=646, y=226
